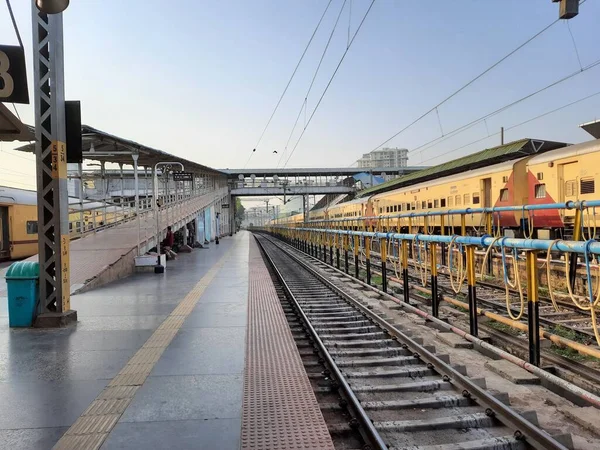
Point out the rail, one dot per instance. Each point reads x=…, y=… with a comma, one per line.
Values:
x=530, y=433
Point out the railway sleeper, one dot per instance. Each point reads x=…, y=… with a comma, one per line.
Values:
x=384, y=351
x=353, y=335
x=492, y=443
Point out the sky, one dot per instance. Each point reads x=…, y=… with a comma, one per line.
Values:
x=200, y=79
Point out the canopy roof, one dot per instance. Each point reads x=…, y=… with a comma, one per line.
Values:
x=101, y=146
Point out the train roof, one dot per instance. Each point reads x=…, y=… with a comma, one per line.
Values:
x=16, y=196
x=571, y=150
x=494, y=155
x=506, y=165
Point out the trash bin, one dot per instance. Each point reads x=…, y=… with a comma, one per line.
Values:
x=22, y=280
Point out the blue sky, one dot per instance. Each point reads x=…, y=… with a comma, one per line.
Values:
x=199, y=79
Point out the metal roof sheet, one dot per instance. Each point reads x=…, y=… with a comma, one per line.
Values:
x=494, y=155
x=101, y=146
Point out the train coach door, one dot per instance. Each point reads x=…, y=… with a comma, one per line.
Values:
x=487, y=192
x=567, y=181
x=4, y=236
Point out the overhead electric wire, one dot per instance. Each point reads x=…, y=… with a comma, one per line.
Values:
x=504, y=58
x=330, y=81
x=515, y=126
x=291, y=78
x=503, y=108
x=305, y=102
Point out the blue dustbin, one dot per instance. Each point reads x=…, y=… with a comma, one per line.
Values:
x=22, y=280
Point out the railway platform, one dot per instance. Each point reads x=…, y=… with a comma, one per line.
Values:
x=178, y=360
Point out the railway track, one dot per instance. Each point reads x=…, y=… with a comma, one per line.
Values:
x=400, y=393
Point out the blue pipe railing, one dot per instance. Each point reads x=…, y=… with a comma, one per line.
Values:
x=581, y=247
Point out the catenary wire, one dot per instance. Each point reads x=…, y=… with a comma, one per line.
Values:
x=330, y=81
x=515, y=126
x=305, y=102
x=503, y=108
x=462, y=88
x=291, y=78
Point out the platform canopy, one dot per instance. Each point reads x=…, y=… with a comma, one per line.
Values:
x=11, y=128
x=104, y=147
x=592, y=128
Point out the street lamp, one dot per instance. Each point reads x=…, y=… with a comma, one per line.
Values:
x=52, y=6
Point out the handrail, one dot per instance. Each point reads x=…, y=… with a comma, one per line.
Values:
x=581, y=247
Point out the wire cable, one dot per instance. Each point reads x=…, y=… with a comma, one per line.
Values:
x=513, y=126
x=501, y=60
x=14, y=22
x=305, y=102
x=293, y=74
x=330, y=81
x=574, y=45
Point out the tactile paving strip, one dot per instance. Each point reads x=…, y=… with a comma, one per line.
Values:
x=280, y=410
x=91, y=429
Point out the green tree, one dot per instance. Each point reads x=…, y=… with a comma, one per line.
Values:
x=240, y=212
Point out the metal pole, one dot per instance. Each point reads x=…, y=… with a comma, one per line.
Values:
x=51, y=168
x=383, y=252
x=137, y=199
x=368, y=258
x=533, y=308
x=80, y=172
x=122, y=194
x=470, y=253
x=577, y=225
x=356, y=250
x=405, y=285
x=434, y=286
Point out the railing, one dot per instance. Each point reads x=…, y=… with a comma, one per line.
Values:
x=109, y=214
x=394, y=248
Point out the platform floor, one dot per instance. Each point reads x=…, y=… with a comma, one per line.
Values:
x=155, y=361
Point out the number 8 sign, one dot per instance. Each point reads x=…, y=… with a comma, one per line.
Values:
x=13, y=75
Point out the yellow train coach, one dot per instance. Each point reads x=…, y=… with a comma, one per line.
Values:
x=18, y=223
x=19, y=226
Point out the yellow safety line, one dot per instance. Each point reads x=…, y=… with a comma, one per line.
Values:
x=91, y=428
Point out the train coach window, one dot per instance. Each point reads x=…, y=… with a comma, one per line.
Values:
x=436, y=203
x=587, y=186
x=570, y=188
x=380, y=210
x=540, y=191
x=504, y=195
x=505, y=179
x=387, y=209
x=467, y=199
x=450, y=201
x=476, y=198
x=540, y=176
x=443, y=202
x=423, y=204
x=457, y=200
x=414, y=205
x=408, y=208
x=32, y=227
x=429, y=204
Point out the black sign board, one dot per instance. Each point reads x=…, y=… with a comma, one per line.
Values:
x=13, y=75
x=73, y=128
x=183, y=176
x=226, y=205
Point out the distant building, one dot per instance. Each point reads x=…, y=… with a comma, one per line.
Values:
x=385, y=157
